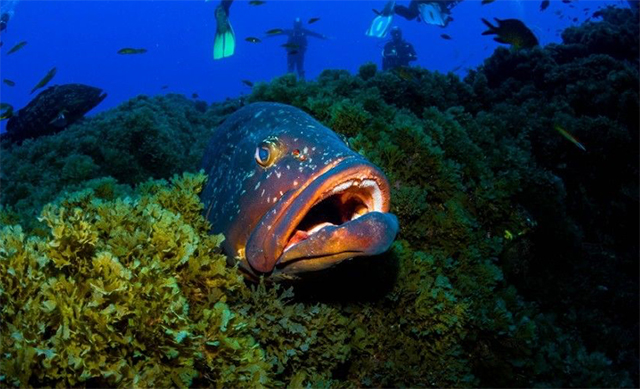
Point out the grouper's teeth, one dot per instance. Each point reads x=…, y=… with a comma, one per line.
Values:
x=361, y=210
x=319, y=227
x=342, y=187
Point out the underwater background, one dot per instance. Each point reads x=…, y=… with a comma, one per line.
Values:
x=514, y=175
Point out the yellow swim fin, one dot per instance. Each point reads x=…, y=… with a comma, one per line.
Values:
x=224, y=44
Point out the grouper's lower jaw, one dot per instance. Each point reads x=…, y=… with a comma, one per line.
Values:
x=340, y=214
x=368, y=235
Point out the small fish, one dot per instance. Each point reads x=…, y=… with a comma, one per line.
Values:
x=575, y=20
x=566, y=1
x=7, y=111
x=290, y=45
x=17, y=47
x=252, y=39
x=445, y=36
x=1, y=43
x=511, y=31
x=256, y=2
x=129, y=50
x=248, y=83
x=194, y=95
x=544, y=5
x=313, y=20
x=404, y=74
x=164, y=87
x=570, y=137
x=45, y=80
x=275, y=31
x=484, y=2
x=292, y=52
x=9, y=82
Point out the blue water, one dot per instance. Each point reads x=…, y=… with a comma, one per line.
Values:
x=81, y=39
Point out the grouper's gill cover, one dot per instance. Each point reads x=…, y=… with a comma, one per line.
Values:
x=290, y=196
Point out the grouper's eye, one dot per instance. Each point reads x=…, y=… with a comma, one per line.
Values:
x=267, y=153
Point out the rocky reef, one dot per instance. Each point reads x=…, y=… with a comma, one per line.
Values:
x=516, y=263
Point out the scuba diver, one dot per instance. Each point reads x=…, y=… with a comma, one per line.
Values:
x=436, y=12
x=296, y=46
x=224, y=43
x=397, y=52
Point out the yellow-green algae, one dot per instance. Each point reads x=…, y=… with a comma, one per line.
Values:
x=129, y=292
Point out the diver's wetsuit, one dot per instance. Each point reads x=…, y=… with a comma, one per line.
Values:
x=412, y=11
x=297, y=43
x=397, y=52
x=226, y=5
x=4, y=20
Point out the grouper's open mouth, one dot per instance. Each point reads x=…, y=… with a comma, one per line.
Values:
x=340, y=214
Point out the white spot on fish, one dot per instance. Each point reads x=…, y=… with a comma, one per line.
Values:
x=257, y=186
x=258, y=114
x=278, y=174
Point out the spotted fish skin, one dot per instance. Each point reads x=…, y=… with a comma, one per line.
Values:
x=315, y=204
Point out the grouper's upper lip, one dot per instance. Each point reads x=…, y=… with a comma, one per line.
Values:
x=318, y=221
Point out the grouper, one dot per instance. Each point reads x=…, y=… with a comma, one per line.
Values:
x=290, y=196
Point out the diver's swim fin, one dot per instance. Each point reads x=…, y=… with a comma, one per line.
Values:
x=224, y=44
x=382, y=23
x=432, y=13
